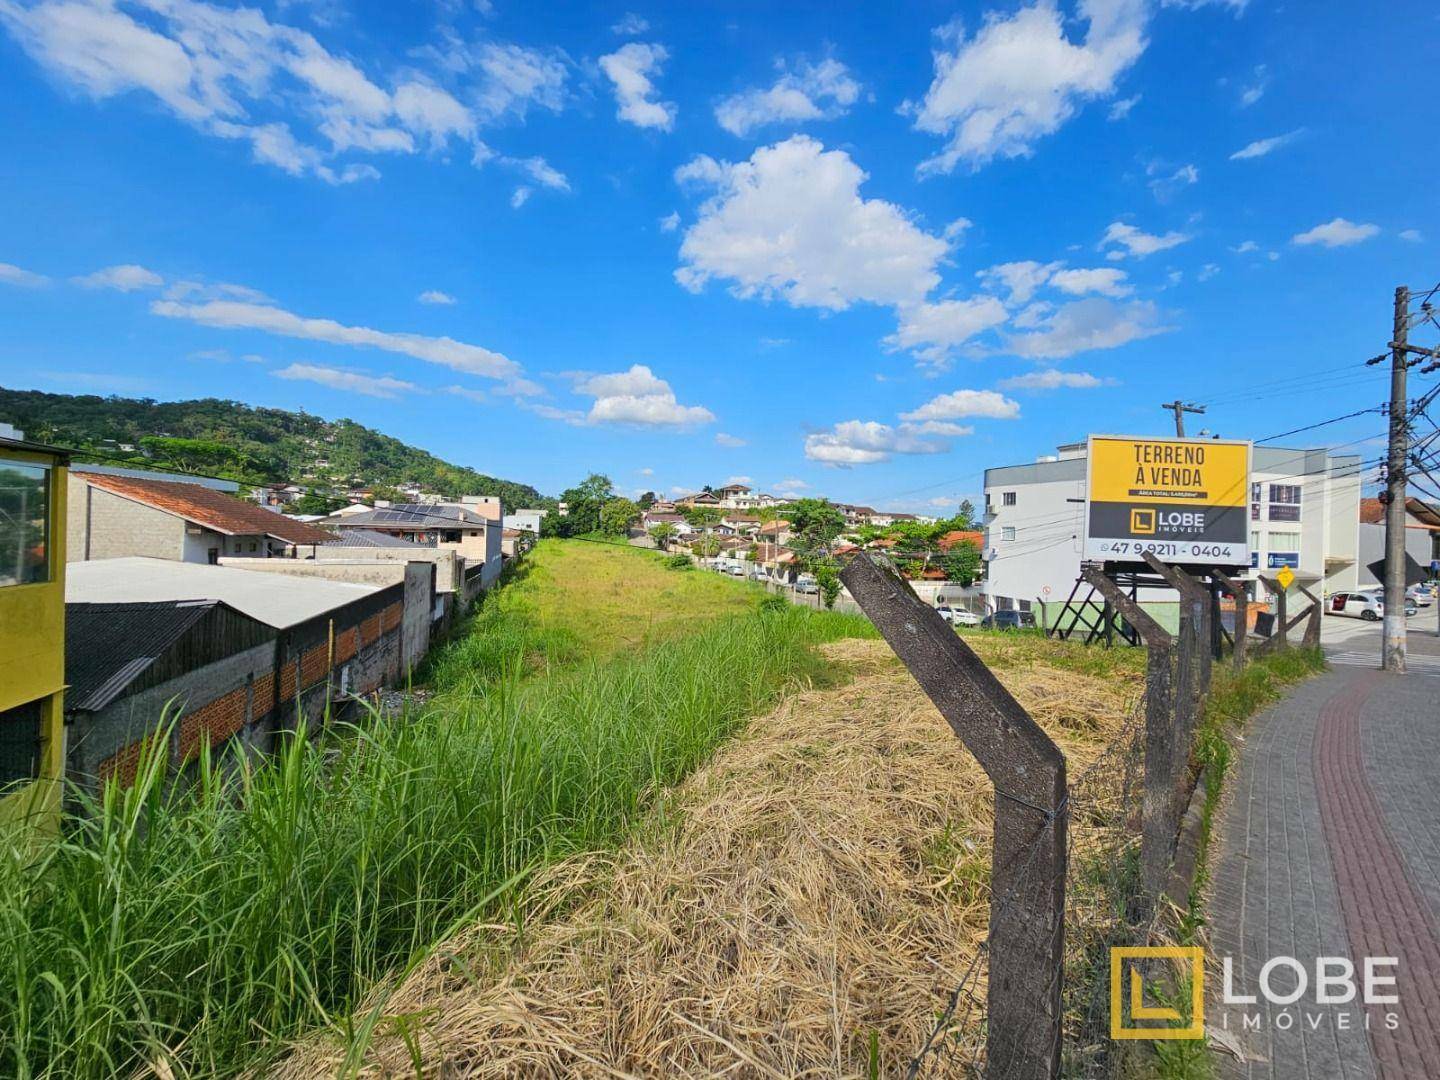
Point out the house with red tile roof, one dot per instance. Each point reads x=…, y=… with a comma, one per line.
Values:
x=164, y=517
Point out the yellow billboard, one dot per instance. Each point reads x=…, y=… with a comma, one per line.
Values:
x=1183, y=499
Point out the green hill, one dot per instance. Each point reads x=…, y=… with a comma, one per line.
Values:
x=250, y=445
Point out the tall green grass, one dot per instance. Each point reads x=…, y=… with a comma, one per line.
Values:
x=199, y=928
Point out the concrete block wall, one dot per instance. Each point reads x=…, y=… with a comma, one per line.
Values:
x=102, y=525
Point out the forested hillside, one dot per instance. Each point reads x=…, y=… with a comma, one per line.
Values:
x=251, y=445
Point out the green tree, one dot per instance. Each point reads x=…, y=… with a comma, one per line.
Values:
x=646, y=501
x=585, y=500
x=961, y=563
x=314, y=503
x=617, y=515
x=814, y=524
x=827, y=577
x=662, y=533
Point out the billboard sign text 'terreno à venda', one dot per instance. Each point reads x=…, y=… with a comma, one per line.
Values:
x=1183, y=499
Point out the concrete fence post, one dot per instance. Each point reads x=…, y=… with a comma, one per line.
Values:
x=1242, y=615
x=1163, y=758
x=1314, y=612
x=1027, y=893
x=1193, y=661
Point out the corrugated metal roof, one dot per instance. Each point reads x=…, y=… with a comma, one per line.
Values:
x=107, y=646
x=373, y=539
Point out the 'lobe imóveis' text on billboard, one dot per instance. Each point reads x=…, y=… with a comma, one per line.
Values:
x=1183, y=499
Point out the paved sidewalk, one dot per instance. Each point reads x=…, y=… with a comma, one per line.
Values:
x=1328, y=844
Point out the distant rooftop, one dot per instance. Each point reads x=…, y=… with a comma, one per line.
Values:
x=213, y=509
x=278, y=600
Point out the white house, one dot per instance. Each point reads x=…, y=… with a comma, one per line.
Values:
x=528, y=520
x=1304, y=513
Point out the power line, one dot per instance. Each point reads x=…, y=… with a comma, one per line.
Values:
x=1322, y=423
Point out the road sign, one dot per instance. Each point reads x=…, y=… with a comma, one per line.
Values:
x=1286, y=577
x=1183, y=499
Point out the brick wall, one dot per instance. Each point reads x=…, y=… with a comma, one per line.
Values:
x=212, y=723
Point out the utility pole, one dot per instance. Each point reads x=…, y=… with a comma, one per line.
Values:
x=1392, y=650
x=1179, y=408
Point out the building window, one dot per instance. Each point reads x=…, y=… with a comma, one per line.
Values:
x=19, y=745
x=1007, y=498
x=1004, y=603
x=1007, y=532
x=1024, y=605
x=24, y=523
x=1284, y=502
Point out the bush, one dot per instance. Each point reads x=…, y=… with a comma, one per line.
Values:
x=679, y=562
x=773, y=602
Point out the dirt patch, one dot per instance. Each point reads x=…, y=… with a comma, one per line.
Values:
x=804, y=901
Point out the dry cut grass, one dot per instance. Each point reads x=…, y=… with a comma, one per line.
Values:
x=800, y=906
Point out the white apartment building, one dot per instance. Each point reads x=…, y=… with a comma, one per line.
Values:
x=1304, y=514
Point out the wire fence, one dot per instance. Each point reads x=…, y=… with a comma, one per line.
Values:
x=1103, y=908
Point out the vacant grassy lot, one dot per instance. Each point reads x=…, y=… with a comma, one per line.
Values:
x=803, y=901
x=576, y=600
x=193, y=933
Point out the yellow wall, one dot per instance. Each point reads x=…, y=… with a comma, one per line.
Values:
x=32, y=655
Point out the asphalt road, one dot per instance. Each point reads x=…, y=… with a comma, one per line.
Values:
x=1356, y=642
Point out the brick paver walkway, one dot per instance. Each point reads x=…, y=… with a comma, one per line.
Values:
x=1329, y=845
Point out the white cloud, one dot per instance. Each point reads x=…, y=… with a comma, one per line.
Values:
x=1261, y=147
x=435, y=296
x=1019, y=78
x=469, y=393
x=1019, y=279
x=724, y=439
x=865, y=442
x=1121, y=109
x=1053, y=379
x=1207, y=271
x=790, y=486
x=382, y=386
x=1249, y=95
x=791, y=222
x=934, y=330
x=234, y=315
x=959, y=404
x=10, y=274
x=234, y=74
x=542, y=172
x=637, y=397
x=1138, y=243
x=740, y=480
x=511, y=78
x=632, y=69
x=820, y=91
x=630, y=24
x=126, y=278
x=956, y=230
x=1336, y=233
x=670, y=222
x=1238, y=6
x=1246, y=247
x=647, y=471
x=1411, y=236
x=1166, y=185
x=1105, y=281
x=937, y=427
x=1082, y=325
x=519, y=197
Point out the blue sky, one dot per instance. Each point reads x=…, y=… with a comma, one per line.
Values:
x=858, y=250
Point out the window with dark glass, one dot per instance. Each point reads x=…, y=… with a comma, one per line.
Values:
x=24, y=523
x=19, y=745
x=1284, y=502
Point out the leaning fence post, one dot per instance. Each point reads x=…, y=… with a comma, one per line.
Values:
x=1280, y=638
x=1312, y=627
x=1192, y=668
x=1242, y=614
x=1027, y=875
x=1158, y=825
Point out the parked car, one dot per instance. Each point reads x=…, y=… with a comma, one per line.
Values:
x=807, y=586
x=1008, y=620
x=958, y=616
x=1422, y=595
x=1356, y=605
x=757, y=574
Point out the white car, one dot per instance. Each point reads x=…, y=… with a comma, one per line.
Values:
x=958, y=616
x=1357, y=605
x=1419, y=595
